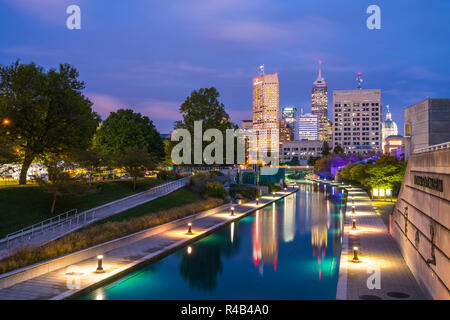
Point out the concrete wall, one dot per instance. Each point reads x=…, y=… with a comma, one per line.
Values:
x=417, y=116
x=420, y=222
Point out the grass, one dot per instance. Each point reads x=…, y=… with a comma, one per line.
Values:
x=154, y=213
x=21, y=206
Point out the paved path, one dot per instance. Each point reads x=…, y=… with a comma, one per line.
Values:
x=57, y=230
x=378, y=254
x=67, y=281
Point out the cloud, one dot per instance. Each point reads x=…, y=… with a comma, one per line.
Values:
x=104, y=104
x=160, y=109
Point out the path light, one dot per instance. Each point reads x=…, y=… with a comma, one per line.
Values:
x=189, y=228
x=285, y=189
x=6, y=122
x=273, y=194
x=99, y=264
x=354, y=224
x=353, y=199
x=353, y=209
x=232, y=211
x=355, y=254
x=257, y=201
x=189, y=250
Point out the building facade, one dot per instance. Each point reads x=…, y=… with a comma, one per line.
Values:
x=319, y=104
x=357, y=118
x=265, y=112
x=301, y=149
x=289, y=114
x=389, y=127
x=395, y=146
x=427, y=123
x=308, y=127
x=286, y=133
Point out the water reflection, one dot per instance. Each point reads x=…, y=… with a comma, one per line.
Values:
x=289, y=212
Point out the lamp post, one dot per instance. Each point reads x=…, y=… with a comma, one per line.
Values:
x=6, y=121
x=257, y=201
x=99, y=264
x=355, y=254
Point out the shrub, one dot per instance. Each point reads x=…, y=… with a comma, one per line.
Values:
x=168, y=175
x=216, y=190
x=197, y=182
x=240, y=191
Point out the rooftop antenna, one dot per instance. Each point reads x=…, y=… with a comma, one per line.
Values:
x=261, y=70
x=360, y=80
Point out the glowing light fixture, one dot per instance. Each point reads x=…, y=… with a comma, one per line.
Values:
x=232, y=211
x=100, y=264
x=189, y=250
x=355, y=254
x=189, y=228
x=354, y=224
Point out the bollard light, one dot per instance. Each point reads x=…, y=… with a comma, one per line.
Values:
x=355, y=254
x=273, y=194
x=232, y=211
x=189, y=228
x=257, y=201
x=285, y=189
x=353, y=199
x=354, y=224
x=353, y=209
x=99, y=264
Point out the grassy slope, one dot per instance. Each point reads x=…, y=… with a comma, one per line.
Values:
x=23, y=206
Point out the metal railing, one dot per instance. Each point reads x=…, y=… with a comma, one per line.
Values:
x=55, y=227
x=441, y=146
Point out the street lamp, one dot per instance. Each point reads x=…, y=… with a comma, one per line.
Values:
x=257, y=201
x=355, y=254
x=99, y=264
x=189, y=228
x=6, y=121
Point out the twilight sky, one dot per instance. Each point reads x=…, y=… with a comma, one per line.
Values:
x=150, y=54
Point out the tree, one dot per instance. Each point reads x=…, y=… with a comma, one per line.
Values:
x=60, y=183
x=136, y=161
x=325, y=148
x=312, y=160
x=125, y=129
x=46, y=112
x=338, y=150
x=92, y=159
x=294, y=161
x=203, y=105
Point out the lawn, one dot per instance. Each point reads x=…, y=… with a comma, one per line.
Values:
x=21, y=206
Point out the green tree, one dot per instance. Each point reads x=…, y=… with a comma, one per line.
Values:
x=92, y=159
x=125, y=129
x=46, y=111
x=203, y=105
x=60, y=183
x=294, y=161
x=338, y=150
x=358, y=172
x=325, y=148
x=136, y=161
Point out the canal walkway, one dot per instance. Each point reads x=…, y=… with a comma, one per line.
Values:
x=74, y=279
x=381, y=272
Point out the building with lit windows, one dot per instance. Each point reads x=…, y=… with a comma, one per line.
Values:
x=395, y=146
x=308, y=127
x=303, y=150
x=357, y=118
x=265, y=111
x=319, y=104
x=286, y=134
x=289, y=114
x=389, y=127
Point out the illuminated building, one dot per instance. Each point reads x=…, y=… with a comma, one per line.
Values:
x=265, y=111
x=319, y=105
x=395, y=146
x=389, y=127
x=357, y=118
x=285, y=131
x=308, y=125
x=302, y=149
x=329, y=138
x=247, y=125
x=290, y=115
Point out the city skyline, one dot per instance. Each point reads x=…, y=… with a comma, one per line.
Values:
x=126, y=65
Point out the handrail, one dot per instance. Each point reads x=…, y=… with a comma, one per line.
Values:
x=441, y=146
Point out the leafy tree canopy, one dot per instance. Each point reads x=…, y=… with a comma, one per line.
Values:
x=44, y=112
x=126, y=129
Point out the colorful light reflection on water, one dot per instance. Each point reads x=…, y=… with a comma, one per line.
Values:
x=288, y=250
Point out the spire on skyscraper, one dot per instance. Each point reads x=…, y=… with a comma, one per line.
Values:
x=261, y=70
x=320, y=81
x=388, y=114
x=360, y=80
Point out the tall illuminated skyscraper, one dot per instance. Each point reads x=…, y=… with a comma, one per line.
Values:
x=319, y=105
x=266, y=109
x=307, y=126
x=289, y=114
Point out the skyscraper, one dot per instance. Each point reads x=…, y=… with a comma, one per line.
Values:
x=357, y=120
x=289, y=114
x=265, y=109
x=319, y=105
x=308, y=125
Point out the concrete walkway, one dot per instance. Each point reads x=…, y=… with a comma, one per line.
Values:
x=65, y=282
x=382, y=272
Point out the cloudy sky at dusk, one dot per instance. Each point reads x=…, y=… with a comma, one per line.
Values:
x=149, y=55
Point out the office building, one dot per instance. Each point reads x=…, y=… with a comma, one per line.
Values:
x=308, y=127
x=319, y=104
x=357, y=118
x=301, y=149
x=289, y=114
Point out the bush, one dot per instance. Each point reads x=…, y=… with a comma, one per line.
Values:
x=240, y=191
x=197, y=182
x=168, y=175
x=272, y=186
x=216, y=190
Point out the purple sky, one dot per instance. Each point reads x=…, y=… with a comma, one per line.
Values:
x=149, y=55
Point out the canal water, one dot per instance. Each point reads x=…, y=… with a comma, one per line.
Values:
x=288, y=250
